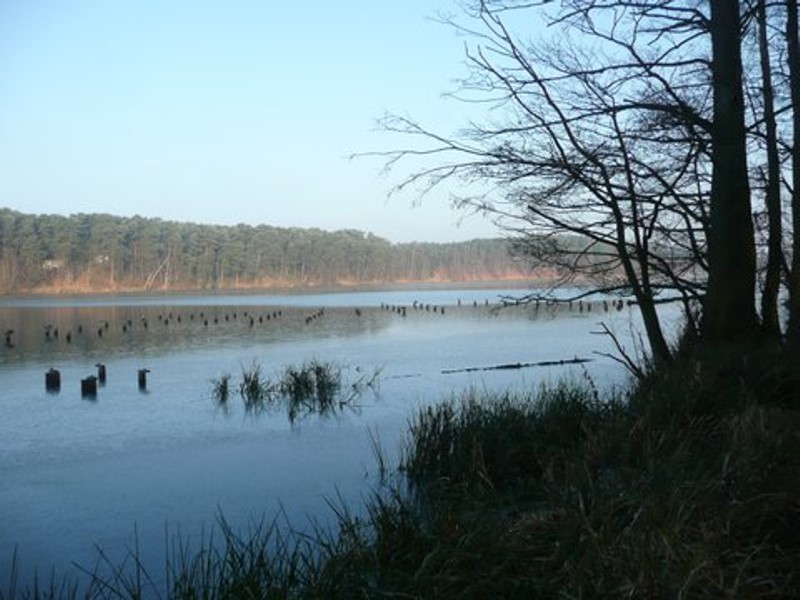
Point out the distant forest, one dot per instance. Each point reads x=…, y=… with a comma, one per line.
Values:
x=101, y=252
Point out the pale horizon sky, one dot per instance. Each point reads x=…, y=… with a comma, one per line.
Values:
x=226, y=112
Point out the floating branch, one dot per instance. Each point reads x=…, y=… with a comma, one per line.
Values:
x=508, y=366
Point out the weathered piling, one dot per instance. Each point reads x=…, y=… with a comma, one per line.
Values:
x=52, y=381
x=89, y=387
x=143, y=379
x=101, y=373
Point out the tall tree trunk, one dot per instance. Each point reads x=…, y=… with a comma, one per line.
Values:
x=729, y=312
x=652, y=326
x=770, y=320
x=793, y=59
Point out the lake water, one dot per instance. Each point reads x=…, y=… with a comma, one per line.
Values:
x=136, y=467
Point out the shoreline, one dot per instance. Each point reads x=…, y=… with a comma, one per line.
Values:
x=422, y=285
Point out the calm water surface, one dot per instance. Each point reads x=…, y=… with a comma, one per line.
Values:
x=136, y=467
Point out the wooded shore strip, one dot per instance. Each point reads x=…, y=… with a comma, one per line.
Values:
x=103, y=253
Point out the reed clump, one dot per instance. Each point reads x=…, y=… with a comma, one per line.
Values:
x=221, y=389
x=256, y=390
x=315, y=387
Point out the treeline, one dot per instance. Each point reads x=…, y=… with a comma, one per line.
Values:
x=103, y=252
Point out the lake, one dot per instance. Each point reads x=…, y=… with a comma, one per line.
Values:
x=135, y=467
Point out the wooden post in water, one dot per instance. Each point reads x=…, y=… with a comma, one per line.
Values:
x=101, y=373
x=143, y=379
x=89, y=387
x=52, y=381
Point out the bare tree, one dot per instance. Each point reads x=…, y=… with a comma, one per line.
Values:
x=729, y=312
x=793, y=60
x=602, y=162
x=770, y=316
x=621, y=154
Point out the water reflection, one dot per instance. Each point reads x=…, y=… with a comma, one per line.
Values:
x=48, y=329
x=53, y=333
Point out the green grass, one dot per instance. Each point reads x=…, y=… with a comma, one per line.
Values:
x=685, y=487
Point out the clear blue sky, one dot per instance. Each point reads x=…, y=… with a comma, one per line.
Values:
x=224, y=112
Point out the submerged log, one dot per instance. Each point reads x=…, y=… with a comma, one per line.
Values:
x=510, y=366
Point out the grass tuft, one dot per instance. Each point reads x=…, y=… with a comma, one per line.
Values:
x=256, y=391
x=221, y=389
x=315, y=387
x=312, y=388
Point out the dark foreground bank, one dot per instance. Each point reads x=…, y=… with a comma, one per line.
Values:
x=685, y=486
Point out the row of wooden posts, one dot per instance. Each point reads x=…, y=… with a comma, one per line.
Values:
x=52, y=381
x=51, y=332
